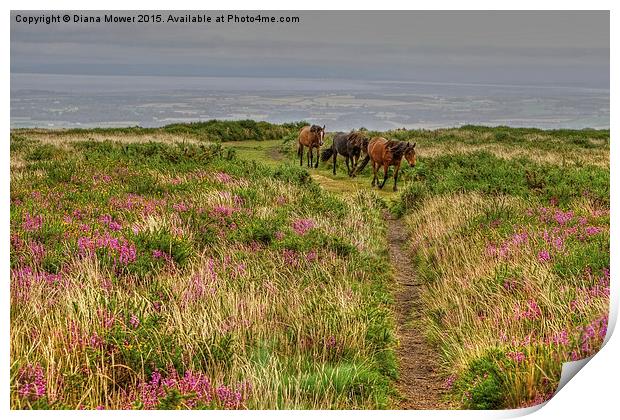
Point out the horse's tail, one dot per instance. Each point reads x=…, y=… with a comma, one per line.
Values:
x=327, y=153
x=299, y=149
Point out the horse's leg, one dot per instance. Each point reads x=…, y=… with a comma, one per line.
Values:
x=357, y=161
x=309, y=156
x=346, y=159
x=335, y=157
x=301, y=154
x=374, y=173
x=318, y=156
x=385, y=174
x=396, y=175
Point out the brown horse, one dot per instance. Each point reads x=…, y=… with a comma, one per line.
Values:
x=311, y=137
x=386, y=153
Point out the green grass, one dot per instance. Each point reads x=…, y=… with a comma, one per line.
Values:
x=138, y=259
x=230, y=262
x=511, y=240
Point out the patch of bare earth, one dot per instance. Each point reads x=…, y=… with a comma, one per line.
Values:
x=419, y=382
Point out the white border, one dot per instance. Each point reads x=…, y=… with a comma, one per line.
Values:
x=592, y=394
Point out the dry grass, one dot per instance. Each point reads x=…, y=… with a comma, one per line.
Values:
x=473, y=295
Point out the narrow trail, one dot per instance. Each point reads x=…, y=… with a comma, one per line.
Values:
x=419, y=382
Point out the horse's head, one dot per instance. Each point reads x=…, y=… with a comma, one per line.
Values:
x=319, y=132
x=410, y=153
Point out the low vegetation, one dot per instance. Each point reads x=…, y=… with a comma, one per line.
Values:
x=173, y=268
x=166, y=276
x=514, y=254
x=210, y=131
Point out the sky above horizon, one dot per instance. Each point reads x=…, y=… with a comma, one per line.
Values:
x=534, y=48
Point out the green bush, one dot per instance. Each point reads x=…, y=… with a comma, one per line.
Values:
x=481, y=385
x=485, y=173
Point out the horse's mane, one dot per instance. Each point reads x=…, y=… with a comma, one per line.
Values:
x=398, y=148
x=358, y=138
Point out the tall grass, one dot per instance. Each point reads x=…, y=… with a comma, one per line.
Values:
x=164, y=276
x=514, y=257
x=152, y=269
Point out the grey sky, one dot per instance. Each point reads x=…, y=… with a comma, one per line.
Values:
x=559, y=48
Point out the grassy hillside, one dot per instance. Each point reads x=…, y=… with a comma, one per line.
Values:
x=510, y=232
x=211, y=131
x=179, y=267
x=154, y=275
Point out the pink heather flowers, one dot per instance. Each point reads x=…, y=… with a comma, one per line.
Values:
x=543, y=256
x=115, y=226
x=223, y=177
x=516, y=356
x=495, y=223
x=311, y=256
x=106, y=318
x=32, y=223
x=290, y=257
x=197, y=388
x=123, y=249
x=222, y=211
x=520, y=238
x=560, y=338
x=203, y=282
x=37, y=250
x=134, y=321
x=31, y=382
x=180, y=207
x=593, y=230
x=330, y=343
x=449, y=382
x=79, y=339
x=239, y=201
x=531, y=311
x=23, y=279
x=158, y=254
x=301, y=226
x=108, y=221
x=563, y=217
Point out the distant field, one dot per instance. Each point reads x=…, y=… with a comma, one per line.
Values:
x=182, y=268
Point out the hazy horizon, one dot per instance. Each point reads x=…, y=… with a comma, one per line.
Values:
x=546, y=69
x=151, y=101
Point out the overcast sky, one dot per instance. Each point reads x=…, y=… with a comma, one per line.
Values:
x=559, y=48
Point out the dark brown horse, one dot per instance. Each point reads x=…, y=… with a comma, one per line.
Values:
x=348, y=145
x=311, y=137
x=386, y=153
